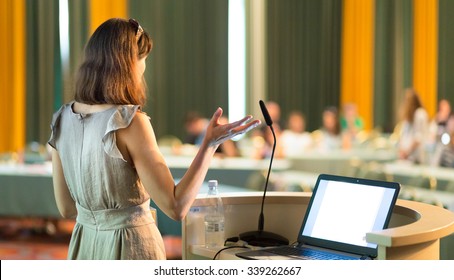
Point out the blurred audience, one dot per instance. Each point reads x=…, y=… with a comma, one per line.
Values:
x=295, y=139
x=443, y=114
x=350, y=120
x=329, y=137
x=263, y=137
x=444, y=154
x=263, y=143
x=438, y=124
x=195, y=125
x=414, y=129
x=274, y=109
x=351, y=124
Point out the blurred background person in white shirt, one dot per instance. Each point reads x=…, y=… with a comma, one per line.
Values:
x=328, y=137
x=295, y=139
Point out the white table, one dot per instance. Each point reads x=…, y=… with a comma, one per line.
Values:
x=339, y=162
x=408, y=173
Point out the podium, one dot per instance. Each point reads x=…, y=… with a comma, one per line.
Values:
x=414, y=231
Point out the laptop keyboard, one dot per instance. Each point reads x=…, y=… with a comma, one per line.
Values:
x=308, y=254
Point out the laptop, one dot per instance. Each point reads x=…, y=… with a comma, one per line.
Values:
x=340, y=213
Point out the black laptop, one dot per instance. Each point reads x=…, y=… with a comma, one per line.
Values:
x=340, y=213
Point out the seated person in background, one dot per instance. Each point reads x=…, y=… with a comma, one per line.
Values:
x=351, y=124
x=444, y=153
x=330, y=134
x=274, y=110
x=263, y=138
x=438, y=124
x=350, y=119
x=264, y=143
x=414, y=129
x=195, y=126
x=441, y=118
x=275, y=113
x=295, y=139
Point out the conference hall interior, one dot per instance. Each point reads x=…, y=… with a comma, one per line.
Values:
x=358, y=88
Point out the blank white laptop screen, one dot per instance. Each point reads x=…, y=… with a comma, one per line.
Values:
x=344, y=212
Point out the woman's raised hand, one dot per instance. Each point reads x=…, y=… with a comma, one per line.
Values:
x=217, y=133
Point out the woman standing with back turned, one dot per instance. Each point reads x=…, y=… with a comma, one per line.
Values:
x=106, y=162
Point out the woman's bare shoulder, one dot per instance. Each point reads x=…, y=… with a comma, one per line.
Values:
x=139, y=130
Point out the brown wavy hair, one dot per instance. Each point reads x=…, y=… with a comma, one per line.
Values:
x=107, y=75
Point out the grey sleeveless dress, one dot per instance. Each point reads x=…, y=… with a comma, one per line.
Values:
x=114, y=220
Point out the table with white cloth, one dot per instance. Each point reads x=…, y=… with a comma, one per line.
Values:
x=234, y=171
x=408, y=173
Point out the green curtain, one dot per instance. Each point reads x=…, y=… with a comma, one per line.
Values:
x=43, y=68
x=304, y=43
x=393, y=59
x=78, y=37
x=445, y=50
x=188, y=67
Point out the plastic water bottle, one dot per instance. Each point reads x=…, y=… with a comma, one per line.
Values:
x=214, y=217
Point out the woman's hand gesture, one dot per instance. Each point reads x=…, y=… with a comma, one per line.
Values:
x=217, y=133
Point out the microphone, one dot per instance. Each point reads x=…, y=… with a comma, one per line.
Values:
x=260, y=237
x=266, y=115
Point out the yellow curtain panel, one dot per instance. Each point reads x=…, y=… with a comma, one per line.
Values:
x=12, y=75
x=102, y=10
x=425, y=54
x=358, y=57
